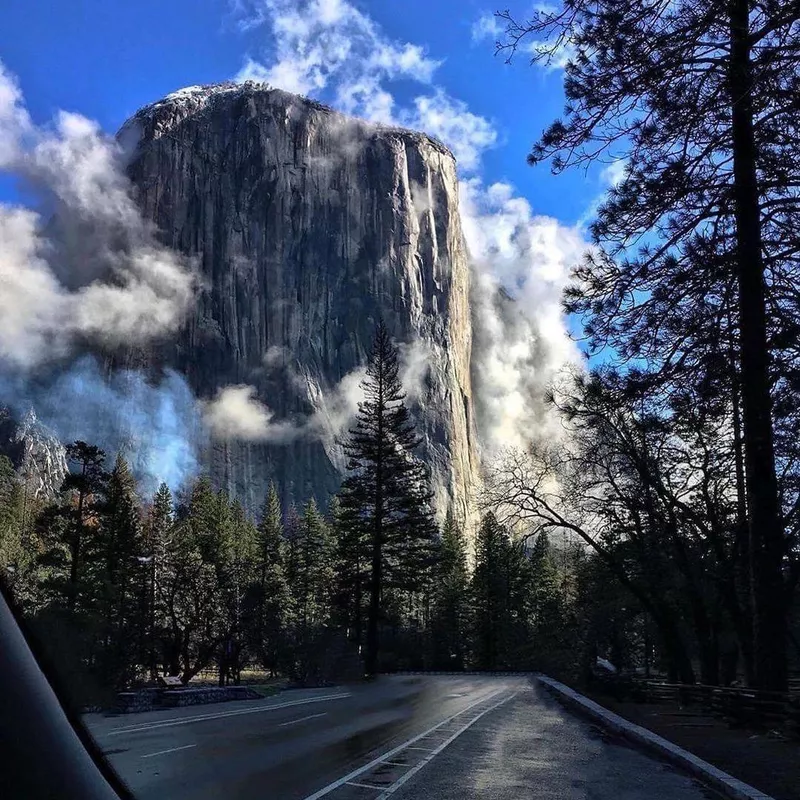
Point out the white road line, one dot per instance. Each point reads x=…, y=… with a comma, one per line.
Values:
x=414, y=770
x=395, y=750
x=365, y=785
x=397, y=763
x=424, y=749
x=149, y=726
x=171, y=750
x=302, y=719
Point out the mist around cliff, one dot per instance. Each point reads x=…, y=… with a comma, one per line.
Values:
x=85, y=275
x=237, y=412
x=521, y=261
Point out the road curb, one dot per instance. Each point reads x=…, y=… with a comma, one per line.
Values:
x=707, y=773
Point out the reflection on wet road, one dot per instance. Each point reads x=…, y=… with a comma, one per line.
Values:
x=426, y=737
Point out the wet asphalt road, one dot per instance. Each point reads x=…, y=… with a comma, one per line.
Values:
x=405, y=737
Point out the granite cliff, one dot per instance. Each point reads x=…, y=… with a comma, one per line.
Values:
x=307, y=227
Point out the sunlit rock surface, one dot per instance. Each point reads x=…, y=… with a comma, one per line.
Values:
x=39, y=457
x=309, y=226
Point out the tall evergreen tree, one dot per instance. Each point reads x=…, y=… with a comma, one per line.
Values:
x=352, y=567
x=387, y=488
x=236, y=573
x=450, y=600
x=190, y=585
x=316, y=569
x=489, y=593
x=309, y=571
x=117, y=573
x=158, y=533
x=701, y=100
x=270, y=599
x=86, y=485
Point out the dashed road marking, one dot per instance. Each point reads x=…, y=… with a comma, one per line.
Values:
x=149, y=726
x=414, y=770
x=365, y=785
x=347, y=779
x=171, y=750
x=302, y=719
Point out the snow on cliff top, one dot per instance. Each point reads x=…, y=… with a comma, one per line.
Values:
x=193, y=100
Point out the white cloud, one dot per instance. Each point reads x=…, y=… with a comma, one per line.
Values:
x=520, y=345
x=330, y=50
x=95, y=271
x=487, y=26
x=421, y=199
x=614, y=173
x=335, y=410
x=468, y=135
x=275, y=356
x=33, y=305
x=551, y=58
x=14, y=120
x=320, y=44
x=339, y=55
x=236, y=413
x=415, y=360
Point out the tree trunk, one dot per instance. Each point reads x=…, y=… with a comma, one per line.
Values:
x=739, y=584
x=74, y=567
x=371, y=660
x=766, y=534
x=680, y=668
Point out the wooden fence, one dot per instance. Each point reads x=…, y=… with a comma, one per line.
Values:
x=738, y=706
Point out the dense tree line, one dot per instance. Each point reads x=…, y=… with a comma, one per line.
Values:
x=682, y=470
x=179, y=586
x=121, y=589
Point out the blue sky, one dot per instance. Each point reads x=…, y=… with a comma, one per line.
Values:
x=424, y=64
x=105, y=59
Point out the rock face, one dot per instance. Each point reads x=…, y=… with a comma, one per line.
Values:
x=308, y=227
x=37, y=454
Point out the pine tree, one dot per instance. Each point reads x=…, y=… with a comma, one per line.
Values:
x=700, y=98
x=547, y=600
x=309, y=572
x=489, y=593
x=237, y=558
x=158, y=533
x=190, y=588
x=387, y=489
x=316, y=568
x=270, y=599
x=352, y=575
x=450, y=603
x=86, y=486
x=117, y=573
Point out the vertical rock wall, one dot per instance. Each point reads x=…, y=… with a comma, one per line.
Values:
x=308, y=227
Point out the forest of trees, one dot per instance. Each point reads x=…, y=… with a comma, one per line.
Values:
x=621, y=545
x=119, y=589
x=682, y=468
x=662, y=531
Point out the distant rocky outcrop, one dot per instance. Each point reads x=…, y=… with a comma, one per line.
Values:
x=308, y=227
x=36, y=453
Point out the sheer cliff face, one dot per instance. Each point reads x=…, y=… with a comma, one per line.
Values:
x=308, y=227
